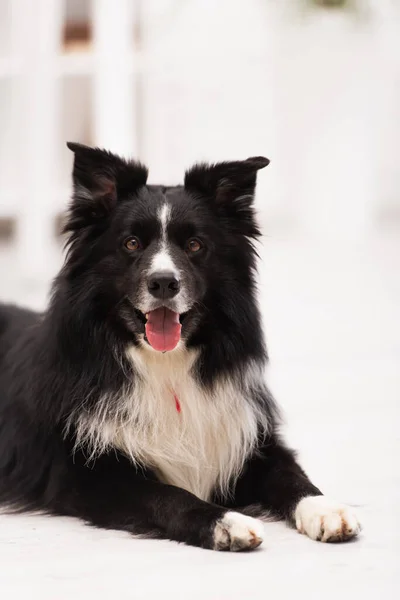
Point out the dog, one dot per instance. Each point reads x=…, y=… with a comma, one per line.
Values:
x=137, y=401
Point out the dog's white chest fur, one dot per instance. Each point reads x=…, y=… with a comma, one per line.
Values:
x=200, y=448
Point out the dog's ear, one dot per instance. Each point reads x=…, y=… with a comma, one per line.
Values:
x=230, y=186
x=100, y=179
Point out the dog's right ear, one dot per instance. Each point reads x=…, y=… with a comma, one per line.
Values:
x=100, y=178
x=229, y=188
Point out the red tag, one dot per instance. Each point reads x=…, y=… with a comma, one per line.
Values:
x=177, y=403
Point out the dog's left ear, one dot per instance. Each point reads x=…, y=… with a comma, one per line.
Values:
x=101, y=175
x=230, y=186
x=100, y=178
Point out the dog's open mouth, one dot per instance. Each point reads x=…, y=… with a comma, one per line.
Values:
x=162, y=328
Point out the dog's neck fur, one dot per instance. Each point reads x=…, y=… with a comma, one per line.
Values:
x=202, y=447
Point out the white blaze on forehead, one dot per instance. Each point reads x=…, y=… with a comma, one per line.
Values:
x=162, y=260
x=164, y=214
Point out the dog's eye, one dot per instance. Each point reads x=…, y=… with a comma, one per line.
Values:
x=193, y=245
x=132, y=244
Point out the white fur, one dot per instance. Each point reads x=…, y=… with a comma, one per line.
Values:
x=164, y=214
x=162, y=260
x=201, y=448
x=237, y=532
x=324, y=520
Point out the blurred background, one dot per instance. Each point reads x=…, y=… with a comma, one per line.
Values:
x=314, y=85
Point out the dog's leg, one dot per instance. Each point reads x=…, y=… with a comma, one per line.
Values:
x=113, y=495
x=274, y=480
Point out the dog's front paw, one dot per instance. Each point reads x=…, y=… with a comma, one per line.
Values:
x=326, y=521
x=236, y=532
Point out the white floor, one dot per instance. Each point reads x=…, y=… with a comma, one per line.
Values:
x=333, y=322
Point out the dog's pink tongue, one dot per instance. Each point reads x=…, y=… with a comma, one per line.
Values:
x=163, y=329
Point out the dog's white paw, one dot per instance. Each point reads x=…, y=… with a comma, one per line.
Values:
x=326, y=521
x=237, y=532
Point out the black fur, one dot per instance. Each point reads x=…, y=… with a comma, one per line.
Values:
x=63, y=361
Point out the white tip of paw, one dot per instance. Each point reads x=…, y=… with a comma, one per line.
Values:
x=237, y=532
x=326, y=521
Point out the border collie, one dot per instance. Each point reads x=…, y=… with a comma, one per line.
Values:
x=137, y=401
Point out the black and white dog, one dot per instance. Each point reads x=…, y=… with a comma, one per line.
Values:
x=137, y=400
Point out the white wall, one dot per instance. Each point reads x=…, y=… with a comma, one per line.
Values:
x=317, y=91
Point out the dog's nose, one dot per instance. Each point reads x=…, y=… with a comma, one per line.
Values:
x=163, y=285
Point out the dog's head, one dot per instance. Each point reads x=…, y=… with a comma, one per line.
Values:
x=159, y=258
